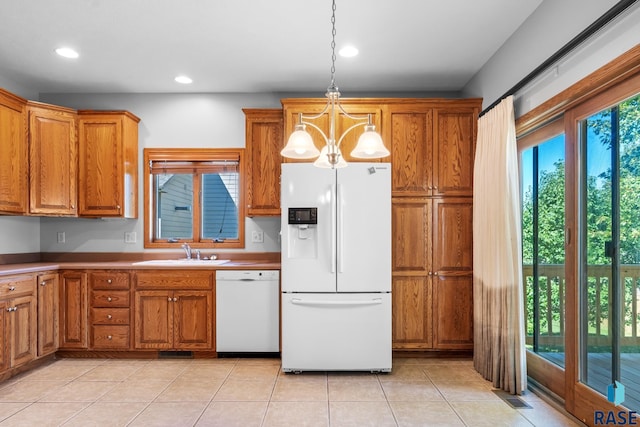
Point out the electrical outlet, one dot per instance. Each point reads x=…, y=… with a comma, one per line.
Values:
x=130, y=237
x=61, y=237
x=257, y=236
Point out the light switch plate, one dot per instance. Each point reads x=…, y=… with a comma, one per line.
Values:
x=130, y=237
x=61, y=237
x=257, y=236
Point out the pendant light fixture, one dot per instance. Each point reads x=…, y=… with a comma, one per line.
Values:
x=300, y=144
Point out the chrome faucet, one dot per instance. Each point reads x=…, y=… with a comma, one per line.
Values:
x=187, y=250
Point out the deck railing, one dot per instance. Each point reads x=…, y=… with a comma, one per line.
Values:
x=551, y=282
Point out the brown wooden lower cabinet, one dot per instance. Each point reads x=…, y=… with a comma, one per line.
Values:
x=411, y=312
x=73, y=310
x=110, y=310
x=453, y=312
x=48, y=316
x=5, y=334
x=19, y=320
x=179, y=320
x=23, y=329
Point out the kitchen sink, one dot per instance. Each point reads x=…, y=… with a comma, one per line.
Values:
x=183, y=262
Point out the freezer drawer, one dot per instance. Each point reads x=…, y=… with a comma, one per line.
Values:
x=336, y=332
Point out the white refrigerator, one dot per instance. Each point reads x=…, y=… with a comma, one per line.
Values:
x=336, y=267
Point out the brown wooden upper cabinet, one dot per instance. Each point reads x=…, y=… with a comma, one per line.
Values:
x=108, y=164
x=52, y=160
x=14, y=154
x=433, y=146
x=356, y=107
x=264, y=140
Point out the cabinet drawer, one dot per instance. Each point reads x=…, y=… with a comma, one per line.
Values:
x=17, y=285
x=109, y=280
x=109, y=336
x=110, y=316
x=174, y=280
x=109, y=298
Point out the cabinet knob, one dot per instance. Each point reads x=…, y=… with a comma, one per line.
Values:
x=118, y=207
x=12, y=288
x=43, y=283
x=73, y=206
x=175, y=299
x=169, y=299
x=109, y=316
x=9, y=309
x=109, y=299
x=109, y=281
x=109, y=337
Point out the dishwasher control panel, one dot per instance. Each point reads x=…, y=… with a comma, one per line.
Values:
x=247, y=275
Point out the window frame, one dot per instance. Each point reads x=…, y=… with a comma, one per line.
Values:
x=191, y=154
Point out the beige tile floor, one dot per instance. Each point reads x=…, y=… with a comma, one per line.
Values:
x=254, y=392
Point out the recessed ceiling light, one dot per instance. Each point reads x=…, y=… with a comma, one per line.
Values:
x=348, y=51
x=184, y=80
x=67, y=52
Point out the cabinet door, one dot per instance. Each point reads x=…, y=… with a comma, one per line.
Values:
x=264, y=129
x=411, y=312
x=410, y=133
x=455, y=133
x=411, y=231
x=14, y=160
x=193, y=320
x=108, y=163
x=53, y=160
x=453, y=273
x=5, y=336
x=154, y=319
x=453, y=312
x=73, y=310
x=100, y=179
x=48, y=296
x=23, y=330
x=453, y=236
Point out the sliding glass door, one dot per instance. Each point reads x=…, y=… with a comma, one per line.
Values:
x=609, y=254
x=542, y=173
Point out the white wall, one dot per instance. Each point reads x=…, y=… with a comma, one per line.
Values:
x=550, y=27
x=166, y=120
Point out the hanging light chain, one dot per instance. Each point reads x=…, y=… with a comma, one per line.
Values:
x=332, y=86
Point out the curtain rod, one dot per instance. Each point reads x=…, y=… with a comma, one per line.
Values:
x=609, y=16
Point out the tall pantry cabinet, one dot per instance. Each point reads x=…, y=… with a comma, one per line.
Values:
x=433, y=145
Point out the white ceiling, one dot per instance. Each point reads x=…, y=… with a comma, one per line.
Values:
x=252, y=45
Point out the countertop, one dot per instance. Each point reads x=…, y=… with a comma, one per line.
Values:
x=33, y=267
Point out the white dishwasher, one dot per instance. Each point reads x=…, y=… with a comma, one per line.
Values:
x=247, y=311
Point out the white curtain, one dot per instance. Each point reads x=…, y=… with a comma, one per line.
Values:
x=499, y=352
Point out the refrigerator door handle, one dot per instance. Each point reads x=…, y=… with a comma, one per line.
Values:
x=339, y=220
x=333, y=228
x=298, y=301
